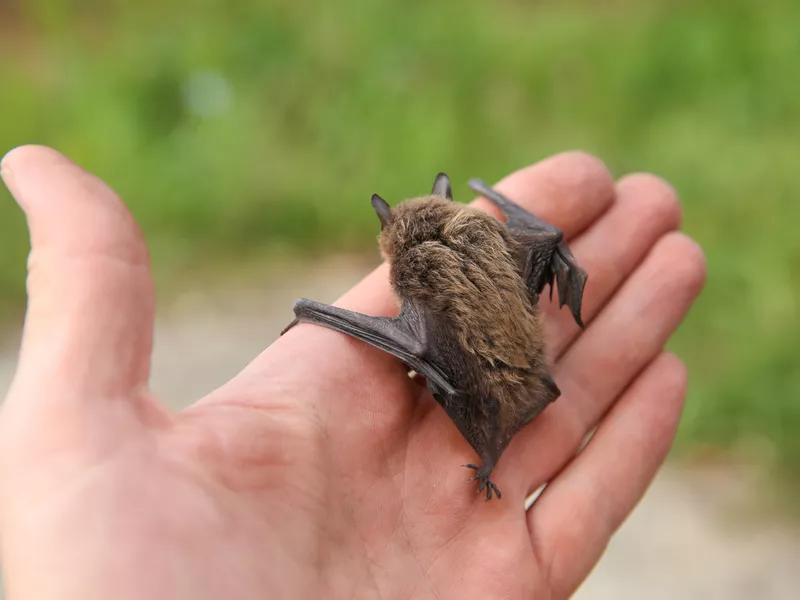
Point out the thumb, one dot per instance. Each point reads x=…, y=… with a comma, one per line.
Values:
x=89, y=323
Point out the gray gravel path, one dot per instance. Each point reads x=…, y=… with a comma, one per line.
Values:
x=684, y=541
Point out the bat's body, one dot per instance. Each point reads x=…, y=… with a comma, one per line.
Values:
x=468, y=287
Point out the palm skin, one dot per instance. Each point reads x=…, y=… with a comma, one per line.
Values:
x=322, y=470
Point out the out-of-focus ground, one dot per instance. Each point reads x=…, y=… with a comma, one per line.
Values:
x=698, y=533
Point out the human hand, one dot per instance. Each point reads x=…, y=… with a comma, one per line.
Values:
x=322, y=470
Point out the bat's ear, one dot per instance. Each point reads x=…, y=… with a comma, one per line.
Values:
x=441, y=187
x=382, y=208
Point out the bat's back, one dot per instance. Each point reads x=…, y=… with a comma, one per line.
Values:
x=463, y=265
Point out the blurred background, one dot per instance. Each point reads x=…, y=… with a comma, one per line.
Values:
x=248, y=136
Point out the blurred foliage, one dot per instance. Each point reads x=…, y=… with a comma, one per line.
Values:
x=237, y=128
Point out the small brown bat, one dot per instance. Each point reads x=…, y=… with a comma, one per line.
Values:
x=468, y=286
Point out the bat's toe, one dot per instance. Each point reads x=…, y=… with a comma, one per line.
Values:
x=482, y=475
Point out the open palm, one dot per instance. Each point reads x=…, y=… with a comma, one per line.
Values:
x=322, y=470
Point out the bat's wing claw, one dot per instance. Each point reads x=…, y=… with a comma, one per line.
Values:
x=289, y=326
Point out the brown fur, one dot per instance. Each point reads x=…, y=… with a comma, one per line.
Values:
x=463, y=265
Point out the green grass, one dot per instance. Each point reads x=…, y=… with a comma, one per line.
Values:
x=330, y=102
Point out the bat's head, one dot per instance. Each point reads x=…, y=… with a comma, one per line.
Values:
x=415, y=221
x=430, y=240
x=441, y=190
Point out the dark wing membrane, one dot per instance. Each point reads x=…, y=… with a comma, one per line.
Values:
x=571, y=281
x=403, y=336
x=549, y=259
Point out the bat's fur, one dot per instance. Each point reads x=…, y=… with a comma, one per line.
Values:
x=468, y=287
x=461, y=264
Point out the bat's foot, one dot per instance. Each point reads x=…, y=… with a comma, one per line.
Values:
x=482, y=475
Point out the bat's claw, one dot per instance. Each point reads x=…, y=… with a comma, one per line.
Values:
x=482, y=475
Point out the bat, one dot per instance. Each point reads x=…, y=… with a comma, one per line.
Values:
x=469, y=324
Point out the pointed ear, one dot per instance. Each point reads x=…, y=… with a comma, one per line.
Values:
x=441, y=187
x=382, y=208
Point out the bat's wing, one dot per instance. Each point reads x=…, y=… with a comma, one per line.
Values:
x=404, y=336
x=549, y=260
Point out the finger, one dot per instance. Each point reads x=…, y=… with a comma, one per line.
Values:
x=629, y=332
x=88, y=327
x=573, y=520
x=646, y=208
x=570, y=190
